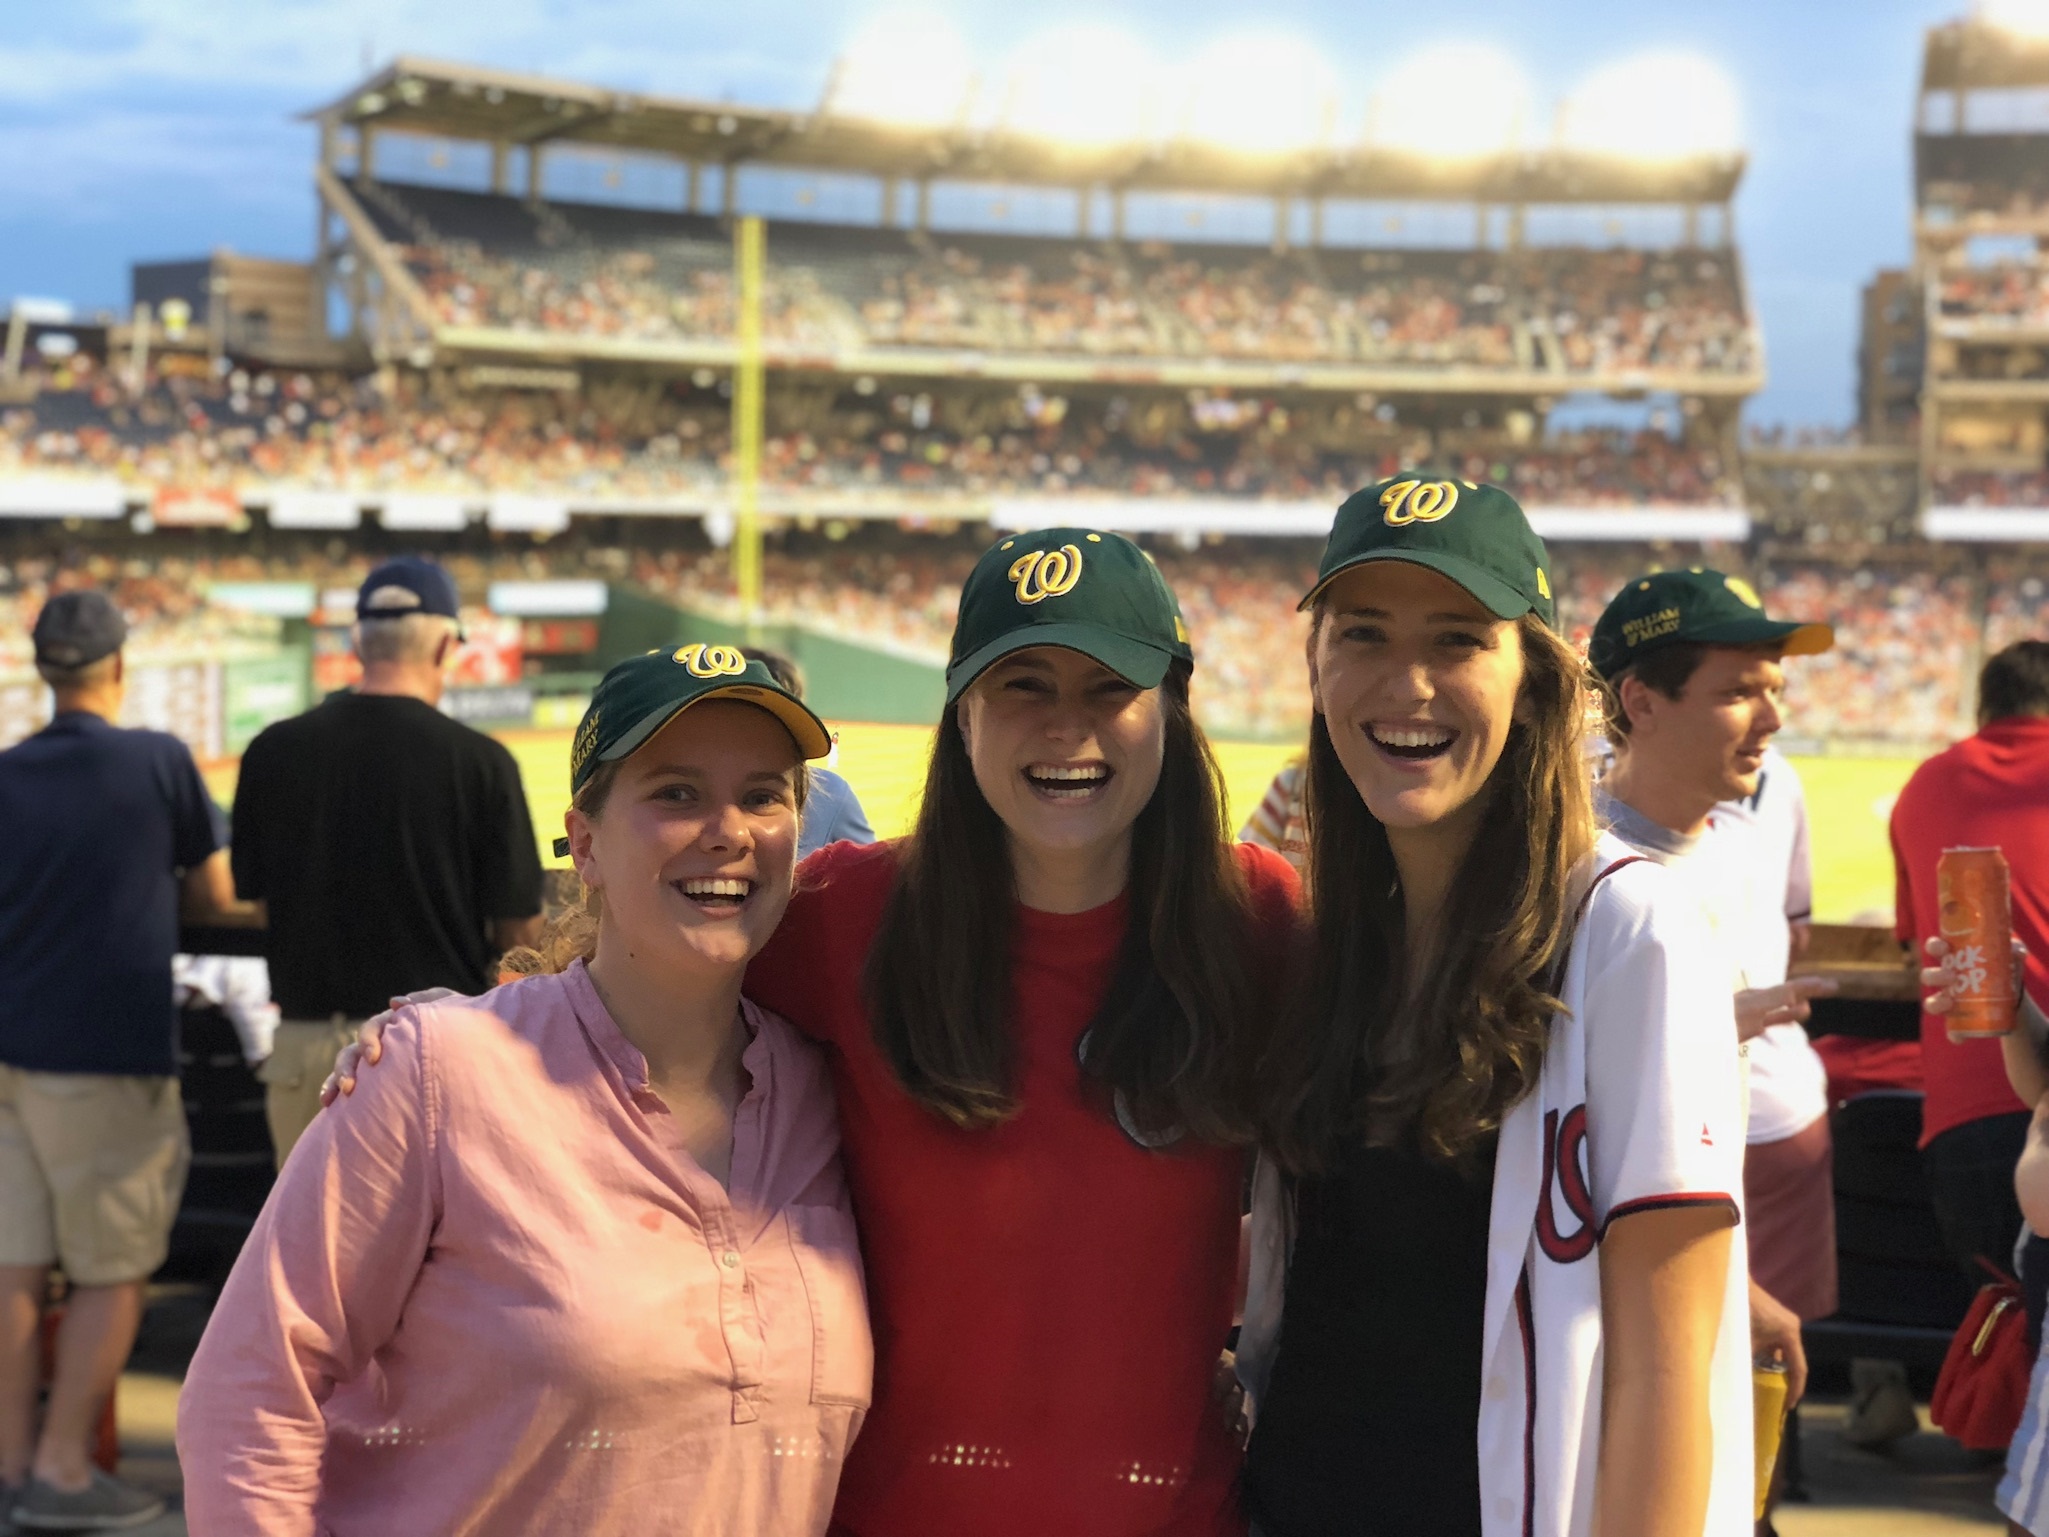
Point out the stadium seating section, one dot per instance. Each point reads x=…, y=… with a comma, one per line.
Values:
x=620, y=438
x=596, y=271
x=1909, y=637
x=1994, y=173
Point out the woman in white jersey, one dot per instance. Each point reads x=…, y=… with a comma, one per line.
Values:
x=1494, y=1288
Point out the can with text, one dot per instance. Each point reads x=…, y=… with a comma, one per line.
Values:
x=1976, y=915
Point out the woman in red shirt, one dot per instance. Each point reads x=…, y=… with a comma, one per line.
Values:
x=1036, y=1006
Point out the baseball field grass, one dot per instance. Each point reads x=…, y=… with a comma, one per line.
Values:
x=1848, y=800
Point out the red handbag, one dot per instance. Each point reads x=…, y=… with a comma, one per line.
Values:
x=1984, y=1383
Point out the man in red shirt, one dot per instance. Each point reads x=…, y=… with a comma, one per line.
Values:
x=1990, y=790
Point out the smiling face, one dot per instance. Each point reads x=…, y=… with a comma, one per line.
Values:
x=1418, y=684
x=1065, y=751
x=1711, y=739
x=696, y=842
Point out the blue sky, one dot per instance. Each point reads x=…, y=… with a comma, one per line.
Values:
x=141, y=129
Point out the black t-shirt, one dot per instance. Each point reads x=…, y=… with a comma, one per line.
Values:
x=1370, y=1424
x=385, y=839
x=98, y=821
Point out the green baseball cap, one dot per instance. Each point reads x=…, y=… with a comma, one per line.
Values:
x=1091, y=592
x=644, y=693
x=1710, y=607
x=1475, y=534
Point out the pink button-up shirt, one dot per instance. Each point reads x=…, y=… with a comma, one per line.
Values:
x=492, y=1294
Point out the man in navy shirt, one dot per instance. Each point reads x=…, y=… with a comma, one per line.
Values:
x=110, y=835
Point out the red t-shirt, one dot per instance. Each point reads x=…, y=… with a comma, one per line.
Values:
x=1989, y=791
x=1048, y=1297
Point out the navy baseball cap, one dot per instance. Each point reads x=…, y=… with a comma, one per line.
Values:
x=407, y=585
x=76, y=629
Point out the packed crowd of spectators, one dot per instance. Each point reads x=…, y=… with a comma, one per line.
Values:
x=653, y=277
x=1908, y=638
x=1906, y=644
x=1990, y=488
x=2015, y=294
x=619, y=439
x=164, y=601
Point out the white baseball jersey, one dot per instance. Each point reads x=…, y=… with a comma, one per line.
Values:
x=1638, y=1108
x=1764, y=836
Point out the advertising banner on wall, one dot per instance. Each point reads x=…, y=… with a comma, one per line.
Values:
x=194, y=507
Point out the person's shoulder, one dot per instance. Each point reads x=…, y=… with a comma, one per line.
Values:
x=1931, y=774
x=1626, y=891
x=1268, y=877
x=828, y=782
x=469, y=1027
x=844, y=872
x=799, y=1061
x=142, y=744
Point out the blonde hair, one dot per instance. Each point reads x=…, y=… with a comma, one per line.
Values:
x=571, y=932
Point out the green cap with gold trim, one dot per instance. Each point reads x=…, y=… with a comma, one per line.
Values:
x=1666, y=607
x=1475, y=534
x=644, y=693
x=1088, y=591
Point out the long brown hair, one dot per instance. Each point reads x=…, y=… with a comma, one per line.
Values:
x=1166, y=1045
x=1433, y=1062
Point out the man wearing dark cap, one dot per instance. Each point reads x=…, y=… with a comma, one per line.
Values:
x=390, y=845
x=111, y=835
x=1693, y=668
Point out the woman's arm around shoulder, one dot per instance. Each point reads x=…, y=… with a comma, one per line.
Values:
x=318, y=1289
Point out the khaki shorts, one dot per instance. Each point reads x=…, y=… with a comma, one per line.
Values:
x=91, y=1169
x=301, y=1056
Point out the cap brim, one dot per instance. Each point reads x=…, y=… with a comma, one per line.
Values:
x=1135, y=661
x=1495, y=595
x=806, y=729
x=1796, y=638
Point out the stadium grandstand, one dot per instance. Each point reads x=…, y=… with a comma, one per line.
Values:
x=519, y=337
x=1980, y=214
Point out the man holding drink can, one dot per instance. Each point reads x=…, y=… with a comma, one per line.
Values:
x=1966, y=812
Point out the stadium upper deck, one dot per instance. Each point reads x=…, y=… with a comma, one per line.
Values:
x=440, y=274
x=1981, y=169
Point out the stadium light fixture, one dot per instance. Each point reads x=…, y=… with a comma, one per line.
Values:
x=1258, y=92
x=906, y=67
x=1654, y=107
x=1084, y=84
x=2023, y=18
x=1410, y=112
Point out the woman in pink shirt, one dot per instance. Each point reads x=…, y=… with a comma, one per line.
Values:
x=581, y=1258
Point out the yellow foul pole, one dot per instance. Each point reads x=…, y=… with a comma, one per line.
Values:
x=749, y=242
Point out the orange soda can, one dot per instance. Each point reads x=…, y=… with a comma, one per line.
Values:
x=1976, y=917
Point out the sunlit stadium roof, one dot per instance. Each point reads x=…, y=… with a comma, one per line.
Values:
x=2006, y=47
x=465, y=102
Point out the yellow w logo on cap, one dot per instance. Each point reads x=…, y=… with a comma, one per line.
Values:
x=1046, y=574
x=1417, y=501
x=703, y=661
